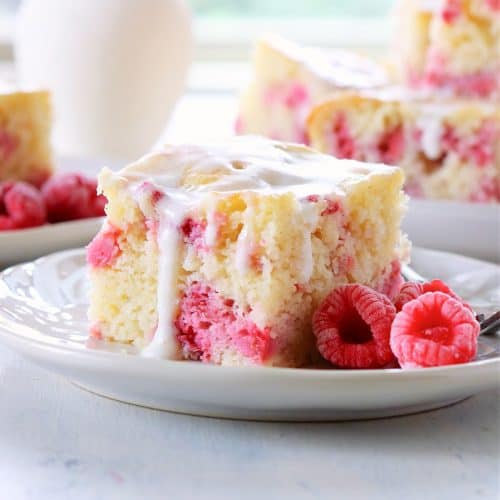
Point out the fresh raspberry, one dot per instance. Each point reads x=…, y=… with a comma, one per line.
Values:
x=434, y=330
x=21, y=206
x=411, y=290
x=352, y=327
x=72, y=196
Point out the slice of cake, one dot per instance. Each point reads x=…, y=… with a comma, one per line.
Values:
x=288, y=79
x=450, y=45
x=448, y=149
x=25, y=127
x=221, y=253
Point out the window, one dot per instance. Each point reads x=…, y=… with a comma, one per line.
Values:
x=321, y=22
x=265, y=8
x=291, y=8
x=226, y=29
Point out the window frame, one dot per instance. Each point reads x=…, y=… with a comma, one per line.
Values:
x=231, y=38
x=218, y=39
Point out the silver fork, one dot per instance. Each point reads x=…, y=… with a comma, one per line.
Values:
x=489, y=325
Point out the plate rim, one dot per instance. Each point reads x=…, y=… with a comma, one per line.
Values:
x=24, y=338
x=44, y=228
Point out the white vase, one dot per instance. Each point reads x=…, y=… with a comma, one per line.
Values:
x=116, y=69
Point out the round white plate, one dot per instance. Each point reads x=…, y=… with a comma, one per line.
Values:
x=467, y=228
x=43, y=316
x=27, y=244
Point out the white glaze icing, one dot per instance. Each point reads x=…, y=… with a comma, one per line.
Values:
x=431, y=126
x=439, y=104
x=171, y=212
x=211, y=229
x=242, y=255
x=245, y=163
x=310, y=219
x=186, y=174
x=339, y=68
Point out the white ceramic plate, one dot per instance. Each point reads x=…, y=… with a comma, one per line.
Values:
x=43, y=317
x=27, y=244
x=467, y=228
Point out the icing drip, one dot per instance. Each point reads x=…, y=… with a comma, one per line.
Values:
x=211, y=229
x=310, y=218
x=242, y=256
x=432, y=131
x=172, y=213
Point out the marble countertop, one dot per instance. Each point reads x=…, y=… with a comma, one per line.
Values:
x=59, y=442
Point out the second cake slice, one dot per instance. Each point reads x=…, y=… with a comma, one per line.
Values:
x=449, y=149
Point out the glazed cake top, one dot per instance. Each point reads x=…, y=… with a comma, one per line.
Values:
x=441, y=102
x=7, y=88
x=243, y=163
x=341, y=68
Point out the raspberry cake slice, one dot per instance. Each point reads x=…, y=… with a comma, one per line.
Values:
x=221, y=253
x=450, y=45
x=448, y=149
x=288, y=79
x=25, y=128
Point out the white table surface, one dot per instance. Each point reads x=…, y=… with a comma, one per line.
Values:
x=59, y=442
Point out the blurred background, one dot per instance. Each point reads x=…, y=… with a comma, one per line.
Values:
x=225, y=29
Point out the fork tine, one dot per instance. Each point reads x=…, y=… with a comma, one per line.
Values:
x=490, y=325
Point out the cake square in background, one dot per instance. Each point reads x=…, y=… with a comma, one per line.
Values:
x=451, y=46
x=288, y=79
x=25, y=136
x=449, y=148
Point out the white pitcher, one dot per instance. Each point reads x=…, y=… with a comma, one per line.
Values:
x=116, y=69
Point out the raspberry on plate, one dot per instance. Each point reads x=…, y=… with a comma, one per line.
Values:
x=412, y=289
x=434, y=329
x=72, y=196
x=21, y=206
x=352, y=327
